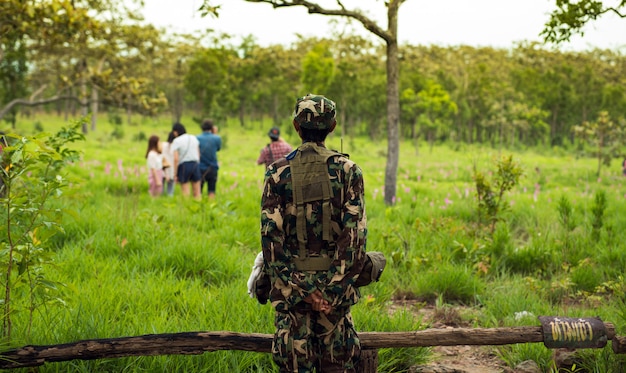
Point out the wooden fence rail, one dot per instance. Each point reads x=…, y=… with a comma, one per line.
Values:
x=191, y=343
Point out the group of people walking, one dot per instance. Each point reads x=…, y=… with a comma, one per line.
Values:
x=188, y=160
x=192, y=160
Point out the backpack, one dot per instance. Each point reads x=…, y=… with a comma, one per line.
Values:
x=310, y=182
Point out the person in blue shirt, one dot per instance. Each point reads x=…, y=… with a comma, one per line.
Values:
x=210, y=144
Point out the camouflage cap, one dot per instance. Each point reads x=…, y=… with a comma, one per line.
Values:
x=314, y=112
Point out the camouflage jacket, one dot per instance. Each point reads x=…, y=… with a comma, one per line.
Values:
x=280, y=243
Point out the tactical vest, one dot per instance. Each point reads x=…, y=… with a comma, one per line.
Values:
x=311, y=182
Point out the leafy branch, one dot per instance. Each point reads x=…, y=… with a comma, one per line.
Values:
x=31, y=176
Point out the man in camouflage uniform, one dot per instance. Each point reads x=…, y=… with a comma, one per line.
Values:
x=313, y=232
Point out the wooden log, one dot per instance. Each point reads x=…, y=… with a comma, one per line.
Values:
x=619, y=345
x=452, y=337
x=188, y=343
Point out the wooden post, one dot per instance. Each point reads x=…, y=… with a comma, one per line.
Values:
x=619, y=345
x=369, y=361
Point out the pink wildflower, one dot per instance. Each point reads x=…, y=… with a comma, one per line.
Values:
x=121, y=168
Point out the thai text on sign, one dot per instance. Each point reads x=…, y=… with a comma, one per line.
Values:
x=563, y=332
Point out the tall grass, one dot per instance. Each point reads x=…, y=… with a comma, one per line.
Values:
x=132, y=264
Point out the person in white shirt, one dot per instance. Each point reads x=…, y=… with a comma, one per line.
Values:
x=186, y=150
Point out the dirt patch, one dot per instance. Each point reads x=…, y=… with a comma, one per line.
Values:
x=452, y=359
x=464, y=359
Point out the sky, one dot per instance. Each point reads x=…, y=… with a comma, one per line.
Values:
x=479, y=23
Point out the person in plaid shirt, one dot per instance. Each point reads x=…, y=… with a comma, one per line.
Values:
x=277, y=149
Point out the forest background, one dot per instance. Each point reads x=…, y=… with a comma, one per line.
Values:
x=557, y=248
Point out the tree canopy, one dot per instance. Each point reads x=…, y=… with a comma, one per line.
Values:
x=111, y=63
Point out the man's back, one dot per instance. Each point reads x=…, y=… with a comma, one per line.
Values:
x=347, y=225
x=274, y=151
x=210, y=144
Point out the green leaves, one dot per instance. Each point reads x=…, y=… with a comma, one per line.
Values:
x=32, y=175
x=490, y=193
x=570, y=17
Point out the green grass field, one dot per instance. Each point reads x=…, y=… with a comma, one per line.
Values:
x=133, y=265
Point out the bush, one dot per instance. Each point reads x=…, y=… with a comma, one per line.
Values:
x=38, y=127
x=586, y=275
x=118, y=132
x=530, y=259
x=140, y=137
x=450, y=283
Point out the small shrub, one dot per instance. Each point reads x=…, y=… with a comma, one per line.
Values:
x=501, y=241
x=514, y=354
x=598, y=210
x=140, y=137
x=447, y=315
x=566, y=213
x=118, y=132
x=38, y=127
x=33, y=176
x=527, y=259
x=490, y=193
x=586, y=276
x=451, y=284
x=115, y=118
x=400, y=359
x=560, y=289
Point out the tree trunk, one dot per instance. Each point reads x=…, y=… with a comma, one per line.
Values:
x=242, y=111
x=129, y=110
x=342, y=120
x=178, y=105
x=94, y=107
x=393, y=104
x=275, y=114
x=69, y=106
x=83, y=94
x=553, y=127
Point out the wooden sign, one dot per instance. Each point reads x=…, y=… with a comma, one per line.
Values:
x=564, y=332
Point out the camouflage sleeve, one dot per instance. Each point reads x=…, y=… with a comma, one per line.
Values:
x=350, y=243
x=288, y=285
